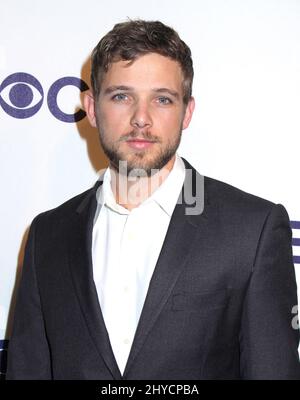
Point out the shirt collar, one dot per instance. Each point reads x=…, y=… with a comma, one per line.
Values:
x=166, y=195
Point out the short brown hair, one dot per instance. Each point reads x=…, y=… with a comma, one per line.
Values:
x=131, y=39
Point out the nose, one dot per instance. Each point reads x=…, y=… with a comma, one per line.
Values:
x=141, y=117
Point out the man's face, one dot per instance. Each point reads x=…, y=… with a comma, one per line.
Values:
x=140, y=112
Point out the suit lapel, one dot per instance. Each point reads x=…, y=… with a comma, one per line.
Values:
x=80, y=244
x=173, y=257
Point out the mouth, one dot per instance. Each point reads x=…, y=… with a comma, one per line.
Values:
x=139, y=144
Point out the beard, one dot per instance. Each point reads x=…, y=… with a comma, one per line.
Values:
x=140, y=163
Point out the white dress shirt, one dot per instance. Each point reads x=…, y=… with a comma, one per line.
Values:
x=125, y=248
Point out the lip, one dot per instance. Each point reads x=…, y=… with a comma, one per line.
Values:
x=139, y=143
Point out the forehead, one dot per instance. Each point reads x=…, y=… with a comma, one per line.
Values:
x=147, y=71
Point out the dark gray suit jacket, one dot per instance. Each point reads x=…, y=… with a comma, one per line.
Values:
x=219, y=304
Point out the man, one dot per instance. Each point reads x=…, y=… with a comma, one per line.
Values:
x=156, y=272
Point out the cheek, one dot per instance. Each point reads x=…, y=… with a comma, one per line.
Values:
x=169, y=121
x=113, y=119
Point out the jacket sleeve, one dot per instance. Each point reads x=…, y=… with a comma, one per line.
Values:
x=268, y=340
x=28, y=350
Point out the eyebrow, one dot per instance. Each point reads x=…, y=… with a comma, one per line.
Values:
x=116, y=88
x=112, y=89
x=166, y=90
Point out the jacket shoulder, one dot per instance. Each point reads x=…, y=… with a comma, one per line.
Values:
x=66, y=209
x=229, y=197
x=239, y=207
x=226, y=194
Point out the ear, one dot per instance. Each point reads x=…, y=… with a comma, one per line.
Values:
x=188, y=113
x=89, y=106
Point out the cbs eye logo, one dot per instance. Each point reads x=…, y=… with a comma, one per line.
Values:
x=18, y=91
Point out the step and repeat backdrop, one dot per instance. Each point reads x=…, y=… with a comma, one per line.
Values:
x=245, y=130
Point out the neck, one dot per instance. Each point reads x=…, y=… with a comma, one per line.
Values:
x=131, y=191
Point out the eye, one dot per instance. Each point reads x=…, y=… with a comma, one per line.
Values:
x=119, y=97
x=18, y=92
x=164, y=100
